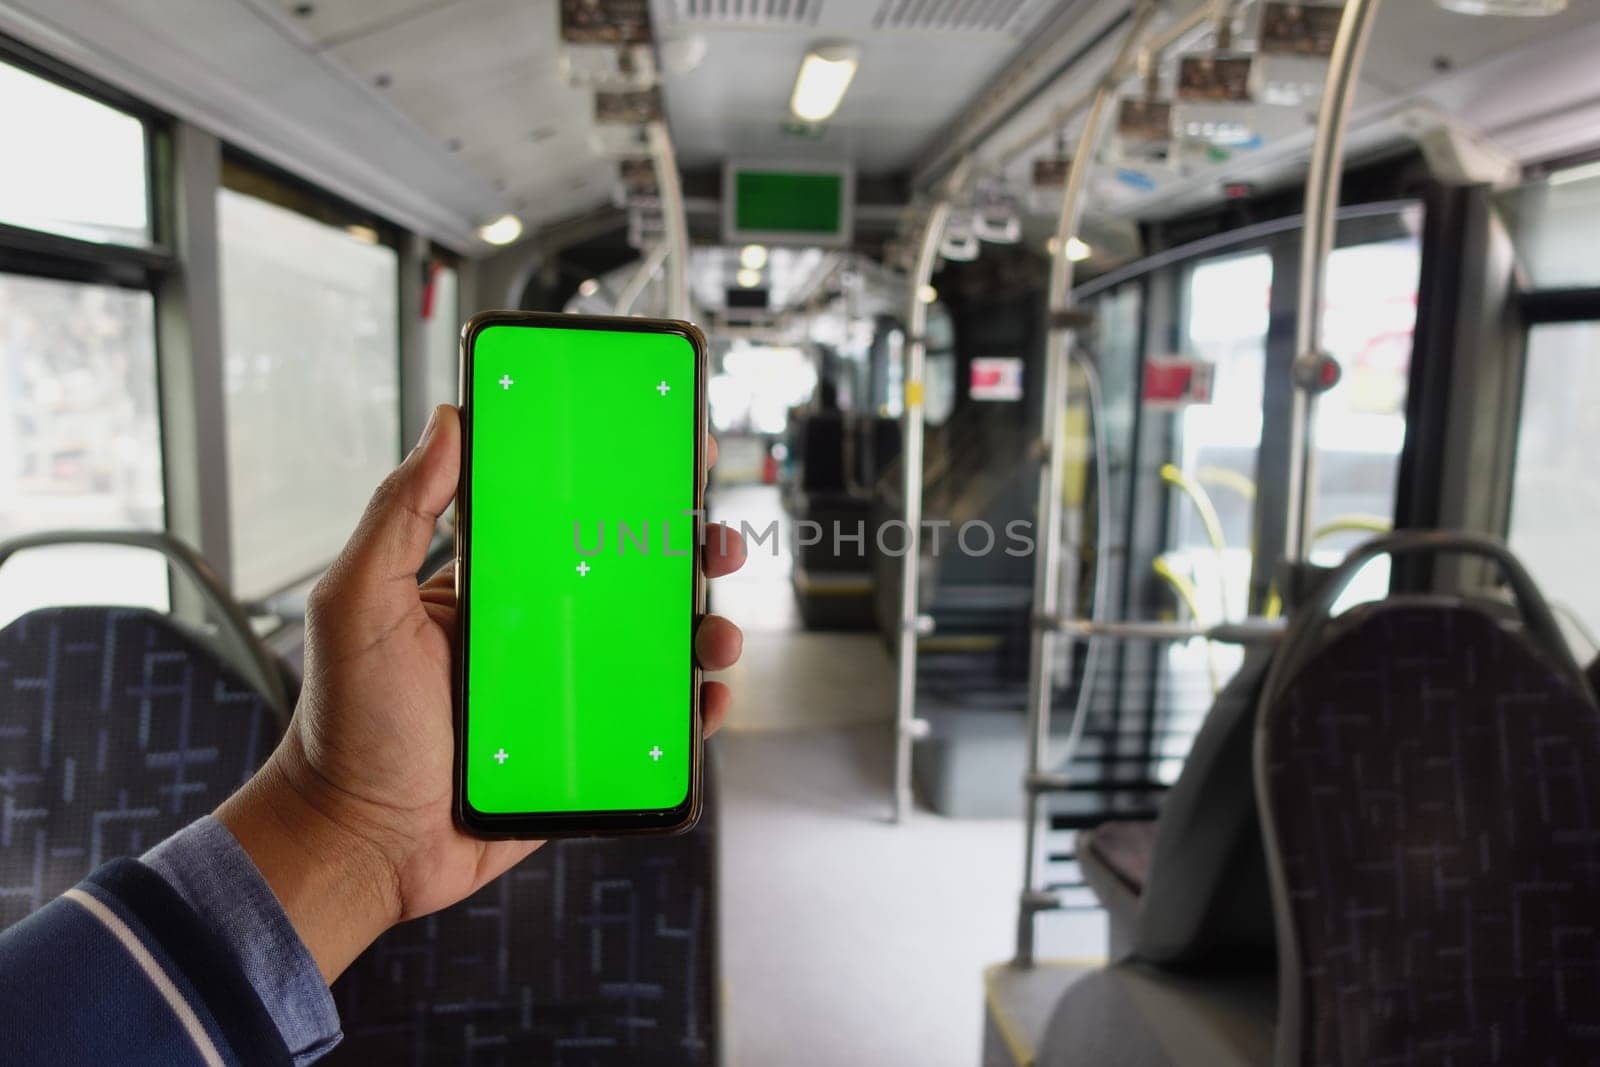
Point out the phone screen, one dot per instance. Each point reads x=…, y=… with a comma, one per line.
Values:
x=579, y=570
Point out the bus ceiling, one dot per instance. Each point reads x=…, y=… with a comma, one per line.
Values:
x=444, y=123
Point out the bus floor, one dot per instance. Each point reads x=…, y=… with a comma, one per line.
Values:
x=846, y=940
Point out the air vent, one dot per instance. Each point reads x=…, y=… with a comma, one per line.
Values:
x=970, y=16
x=748, y=12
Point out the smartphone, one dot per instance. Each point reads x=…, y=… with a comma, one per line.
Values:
x=578, y=582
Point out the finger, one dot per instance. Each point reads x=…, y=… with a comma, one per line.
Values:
x=711, y=451
x=715, y=700
x=724, y=550
x=717, y=643
x=391, y=541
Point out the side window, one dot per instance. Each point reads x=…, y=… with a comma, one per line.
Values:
x=80, y=441
x=1555, y=496
x=74, y=166
x=311, y=382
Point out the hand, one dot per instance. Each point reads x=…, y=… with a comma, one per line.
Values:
x=350, y=819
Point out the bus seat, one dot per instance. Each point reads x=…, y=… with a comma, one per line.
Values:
x=1132, y=1014
x=599, y=951
x=1190, y=889
x=119, y=727
x=1428, y=773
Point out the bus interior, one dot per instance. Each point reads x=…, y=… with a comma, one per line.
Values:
x=1168, y=627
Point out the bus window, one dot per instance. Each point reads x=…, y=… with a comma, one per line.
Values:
x=1555, y=497
x=312, y=384
x=1361, y=422
x=79, y=443
x=76, y=167
x=1556, y=225
x=1227, y=310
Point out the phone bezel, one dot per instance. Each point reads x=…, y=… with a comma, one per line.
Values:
x=572, y=823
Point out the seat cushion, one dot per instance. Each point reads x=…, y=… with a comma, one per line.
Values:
x=1125, y=848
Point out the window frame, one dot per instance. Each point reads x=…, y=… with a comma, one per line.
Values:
x=148, y=268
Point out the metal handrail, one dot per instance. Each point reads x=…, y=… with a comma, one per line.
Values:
x=192, y=564
x=640, y=278
x=1317, y=237
x=1244, y=632
x=1041, y=667
x=670, y=189
x=907, y=728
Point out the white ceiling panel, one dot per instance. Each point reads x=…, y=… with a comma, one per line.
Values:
x=921, y=63
x=482, y=78
x=327, y=23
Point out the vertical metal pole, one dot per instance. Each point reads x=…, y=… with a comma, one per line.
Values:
x=906, y=724
x=1047, y=553
x=1321, y=212
x=640, y=278
x=415, y=403
x=677, y=222
x=190, y=338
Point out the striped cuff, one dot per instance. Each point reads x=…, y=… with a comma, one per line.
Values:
x=186, y=963
x=205, y=865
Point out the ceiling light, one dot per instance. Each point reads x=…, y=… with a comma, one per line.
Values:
x=1077, y=250
x=362, y=233
x=927, y=294
x=1581, y=173
x=1526, y=8
x=588, y=287
x=753, y=257
x=748, y=278
x=825, y=74
x=502, y=231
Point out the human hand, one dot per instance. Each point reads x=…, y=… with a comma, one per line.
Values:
x=350, y=819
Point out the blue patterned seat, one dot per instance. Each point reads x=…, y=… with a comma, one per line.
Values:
x=117, y=728
x=1431, y=779
x=591, y=952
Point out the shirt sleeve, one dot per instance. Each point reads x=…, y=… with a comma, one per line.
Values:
x=205, y=864
x=119, y=969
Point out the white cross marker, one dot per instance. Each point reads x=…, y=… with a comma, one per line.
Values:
x=655, y=753
x=663, y=388
x=501, y=756
x=506, y=381
x=583, y=570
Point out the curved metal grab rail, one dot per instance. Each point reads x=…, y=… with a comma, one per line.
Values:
x=907, y=727
x=1047, y=557
x=190, y=562
x=1317, y=612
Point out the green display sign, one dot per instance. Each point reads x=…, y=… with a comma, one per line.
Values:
x=803, y=205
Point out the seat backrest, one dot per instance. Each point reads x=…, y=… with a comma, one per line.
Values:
x=821, y=457
x=117, y=728
x=1430, y=783
x=1206, y=900
x=594, y=951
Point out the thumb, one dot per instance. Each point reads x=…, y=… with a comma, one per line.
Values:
x=391, y=541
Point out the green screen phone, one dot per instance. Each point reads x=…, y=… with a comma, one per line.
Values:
x=578, y=578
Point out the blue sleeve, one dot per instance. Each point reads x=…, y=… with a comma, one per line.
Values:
x=209, y=869
x=120, y=970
